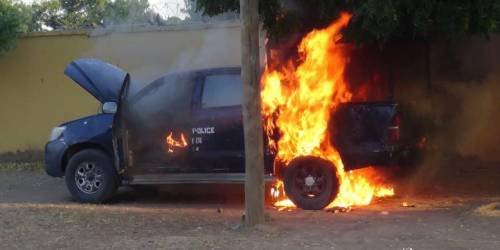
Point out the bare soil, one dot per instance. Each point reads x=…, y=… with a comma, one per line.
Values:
x=36, y=212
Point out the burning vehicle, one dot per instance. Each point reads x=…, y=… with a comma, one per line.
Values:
x=187, y=127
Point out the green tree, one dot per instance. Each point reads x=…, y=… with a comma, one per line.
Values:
x=196, y=15
x=82, y=13
x=380, y=21
x=128, y=11
x=43, y=15
x=376, y=23
x=401, y=20
x=76, y=14
x=11, y=24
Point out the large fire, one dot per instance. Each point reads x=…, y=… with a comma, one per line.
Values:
x=298, y=99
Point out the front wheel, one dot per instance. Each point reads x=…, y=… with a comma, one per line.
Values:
x=91, y=177
x=311, y=182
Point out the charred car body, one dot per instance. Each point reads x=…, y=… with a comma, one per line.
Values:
x=187, y=128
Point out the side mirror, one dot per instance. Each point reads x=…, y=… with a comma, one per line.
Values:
x=109, y=107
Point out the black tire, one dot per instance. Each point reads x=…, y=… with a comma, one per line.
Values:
x=87, y=186
x=298, y=187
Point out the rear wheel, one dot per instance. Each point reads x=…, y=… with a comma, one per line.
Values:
x=311, y=182
x=91, y=177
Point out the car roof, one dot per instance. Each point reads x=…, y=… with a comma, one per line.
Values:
x=205, y=71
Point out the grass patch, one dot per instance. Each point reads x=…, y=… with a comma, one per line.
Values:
x=21, y=166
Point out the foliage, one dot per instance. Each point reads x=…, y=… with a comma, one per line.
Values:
x=42, y=15
x=128, y=11
x=194, y=14
x=75, y=14
x=11, y=24
x=378, y=21
x=383, y=20
x=82, y=13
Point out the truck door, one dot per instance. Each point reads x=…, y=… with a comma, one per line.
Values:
x=217, y=141
x=155, y=126
x=120, y=132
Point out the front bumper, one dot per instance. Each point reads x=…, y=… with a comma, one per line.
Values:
x=54, y=153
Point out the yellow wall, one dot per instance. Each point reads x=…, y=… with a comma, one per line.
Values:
x=35, y=95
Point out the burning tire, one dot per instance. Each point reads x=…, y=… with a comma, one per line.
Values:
x=311, y=182
x=91, y=177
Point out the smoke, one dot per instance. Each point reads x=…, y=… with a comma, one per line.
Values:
x=465, y=99
x=458, y=114
x=148, y=52
x=215, y=45
x=476, y=125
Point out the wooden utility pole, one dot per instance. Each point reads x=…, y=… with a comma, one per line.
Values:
x=252, y=120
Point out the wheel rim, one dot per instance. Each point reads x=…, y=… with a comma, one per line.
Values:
x=88, y=177
x=310, y=181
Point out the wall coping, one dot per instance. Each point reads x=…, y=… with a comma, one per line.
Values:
x=138, y=28
x=56, y=33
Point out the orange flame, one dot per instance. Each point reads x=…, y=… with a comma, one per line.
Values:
x=172, y=143
x=298, y=100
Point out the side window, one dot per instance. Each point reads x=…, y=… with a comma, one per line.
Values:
x=221, y=91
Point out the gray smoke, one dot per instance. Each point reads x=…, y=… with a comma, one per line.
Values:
x=460, y=114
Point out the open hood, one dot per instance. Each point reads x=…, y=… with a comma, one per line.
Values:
x=99, y=78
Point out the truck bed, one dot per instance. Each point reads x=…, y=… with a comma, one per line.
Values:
x=366, y=133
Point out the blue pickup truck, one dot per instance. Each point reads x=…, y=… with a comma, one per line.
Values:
x=187, y=127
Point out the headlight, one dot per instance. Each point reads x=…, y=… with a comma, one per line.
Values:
x=56, y=133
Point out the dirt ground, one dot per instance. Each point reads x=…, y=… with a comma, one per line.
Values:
x=36, y=212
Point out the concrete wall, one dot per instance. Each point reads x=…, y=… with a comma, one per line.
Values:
x=36, y=96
